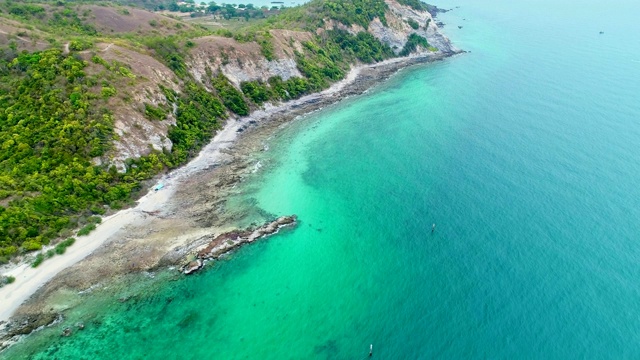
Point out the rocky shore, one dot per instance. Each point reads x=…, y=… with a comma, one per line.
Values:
x=224, y=243
x=196, y=206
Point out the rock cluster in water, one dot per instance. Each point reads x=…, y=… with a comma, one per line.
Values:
x=231, y=240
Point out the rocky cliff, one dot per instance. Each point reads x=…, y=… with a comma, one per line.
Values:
x=399, y=20
x=244, y=62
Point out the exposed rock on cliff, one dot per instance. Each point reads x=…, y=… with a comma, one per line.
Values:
x=137, y=135
x=398, y=28
x=244, y=61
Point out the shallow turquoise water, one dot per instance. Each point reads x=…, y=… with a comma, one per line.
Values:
x=523, y=152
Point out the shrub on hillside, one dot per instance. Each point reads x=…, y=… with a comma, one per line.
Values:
x=412, y=44
x=230, y=96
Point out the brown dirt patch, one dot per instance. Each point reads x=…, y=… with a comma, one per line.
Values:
x=216, y=51
x=121, y=20
x=25, y=39
x=286, y=41
x=142, y=65
x=216, y=45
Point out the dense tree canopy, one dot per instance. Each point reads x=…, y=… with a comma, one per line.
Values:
x=51, y=127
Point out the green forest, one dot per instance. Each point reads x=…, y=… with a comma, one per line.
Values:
x=52, y=126
x=55, y=117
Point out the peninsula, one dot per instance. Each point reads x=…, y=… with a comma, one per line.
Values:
x=105, y=101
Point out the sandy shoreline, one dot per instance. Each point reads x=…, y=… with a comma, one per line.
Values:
x=168, y=224
x=29, y=280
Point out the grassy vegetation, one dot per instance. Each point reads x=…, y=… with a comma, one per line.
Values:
x=55, y=17
x=414, y=24
x=55, y=120
x=154, y=112
x=226, y=11
x=257, y=91
x=168, y=49
x=312, y=15
x=363, y=46
x=230, y=96
x=38, y=260
x=59, y=249
x=62, y=246
x=276, y=89
x=360, y=12
x=266, y=46
x=52, y=126
x=415, y=4
x=86, y=230
x=198, y=116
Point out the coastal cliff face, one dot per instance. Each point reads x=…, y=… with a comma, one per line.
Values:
x=135, y=134
x=244, y=61
x=399, y=19
x=241, y=62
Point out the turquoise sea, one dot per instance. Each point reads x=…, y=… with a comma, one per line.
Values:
x=523, y=152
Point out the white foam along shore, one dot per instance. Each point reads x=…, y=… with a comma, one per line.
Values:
x=28, y=280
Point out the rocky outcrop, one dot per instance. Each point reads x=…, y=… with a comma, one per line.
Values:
x=192, y=266
x=331, y=24
x=136, y=134
x=11, y=332
x=244, y=61
x=398, y=29
x=226, y=242
x=261, y=70
x=434, y=10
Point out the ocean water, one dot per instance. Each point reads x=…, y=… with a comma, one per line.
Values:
x=523, y=152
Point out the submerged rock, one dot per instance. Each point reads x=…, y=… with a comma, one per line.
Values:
x=26, y=324
x=193, y=266
x=226, y=242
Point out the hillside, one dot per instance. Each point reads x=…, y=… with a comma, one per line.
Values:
x=99, y=98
